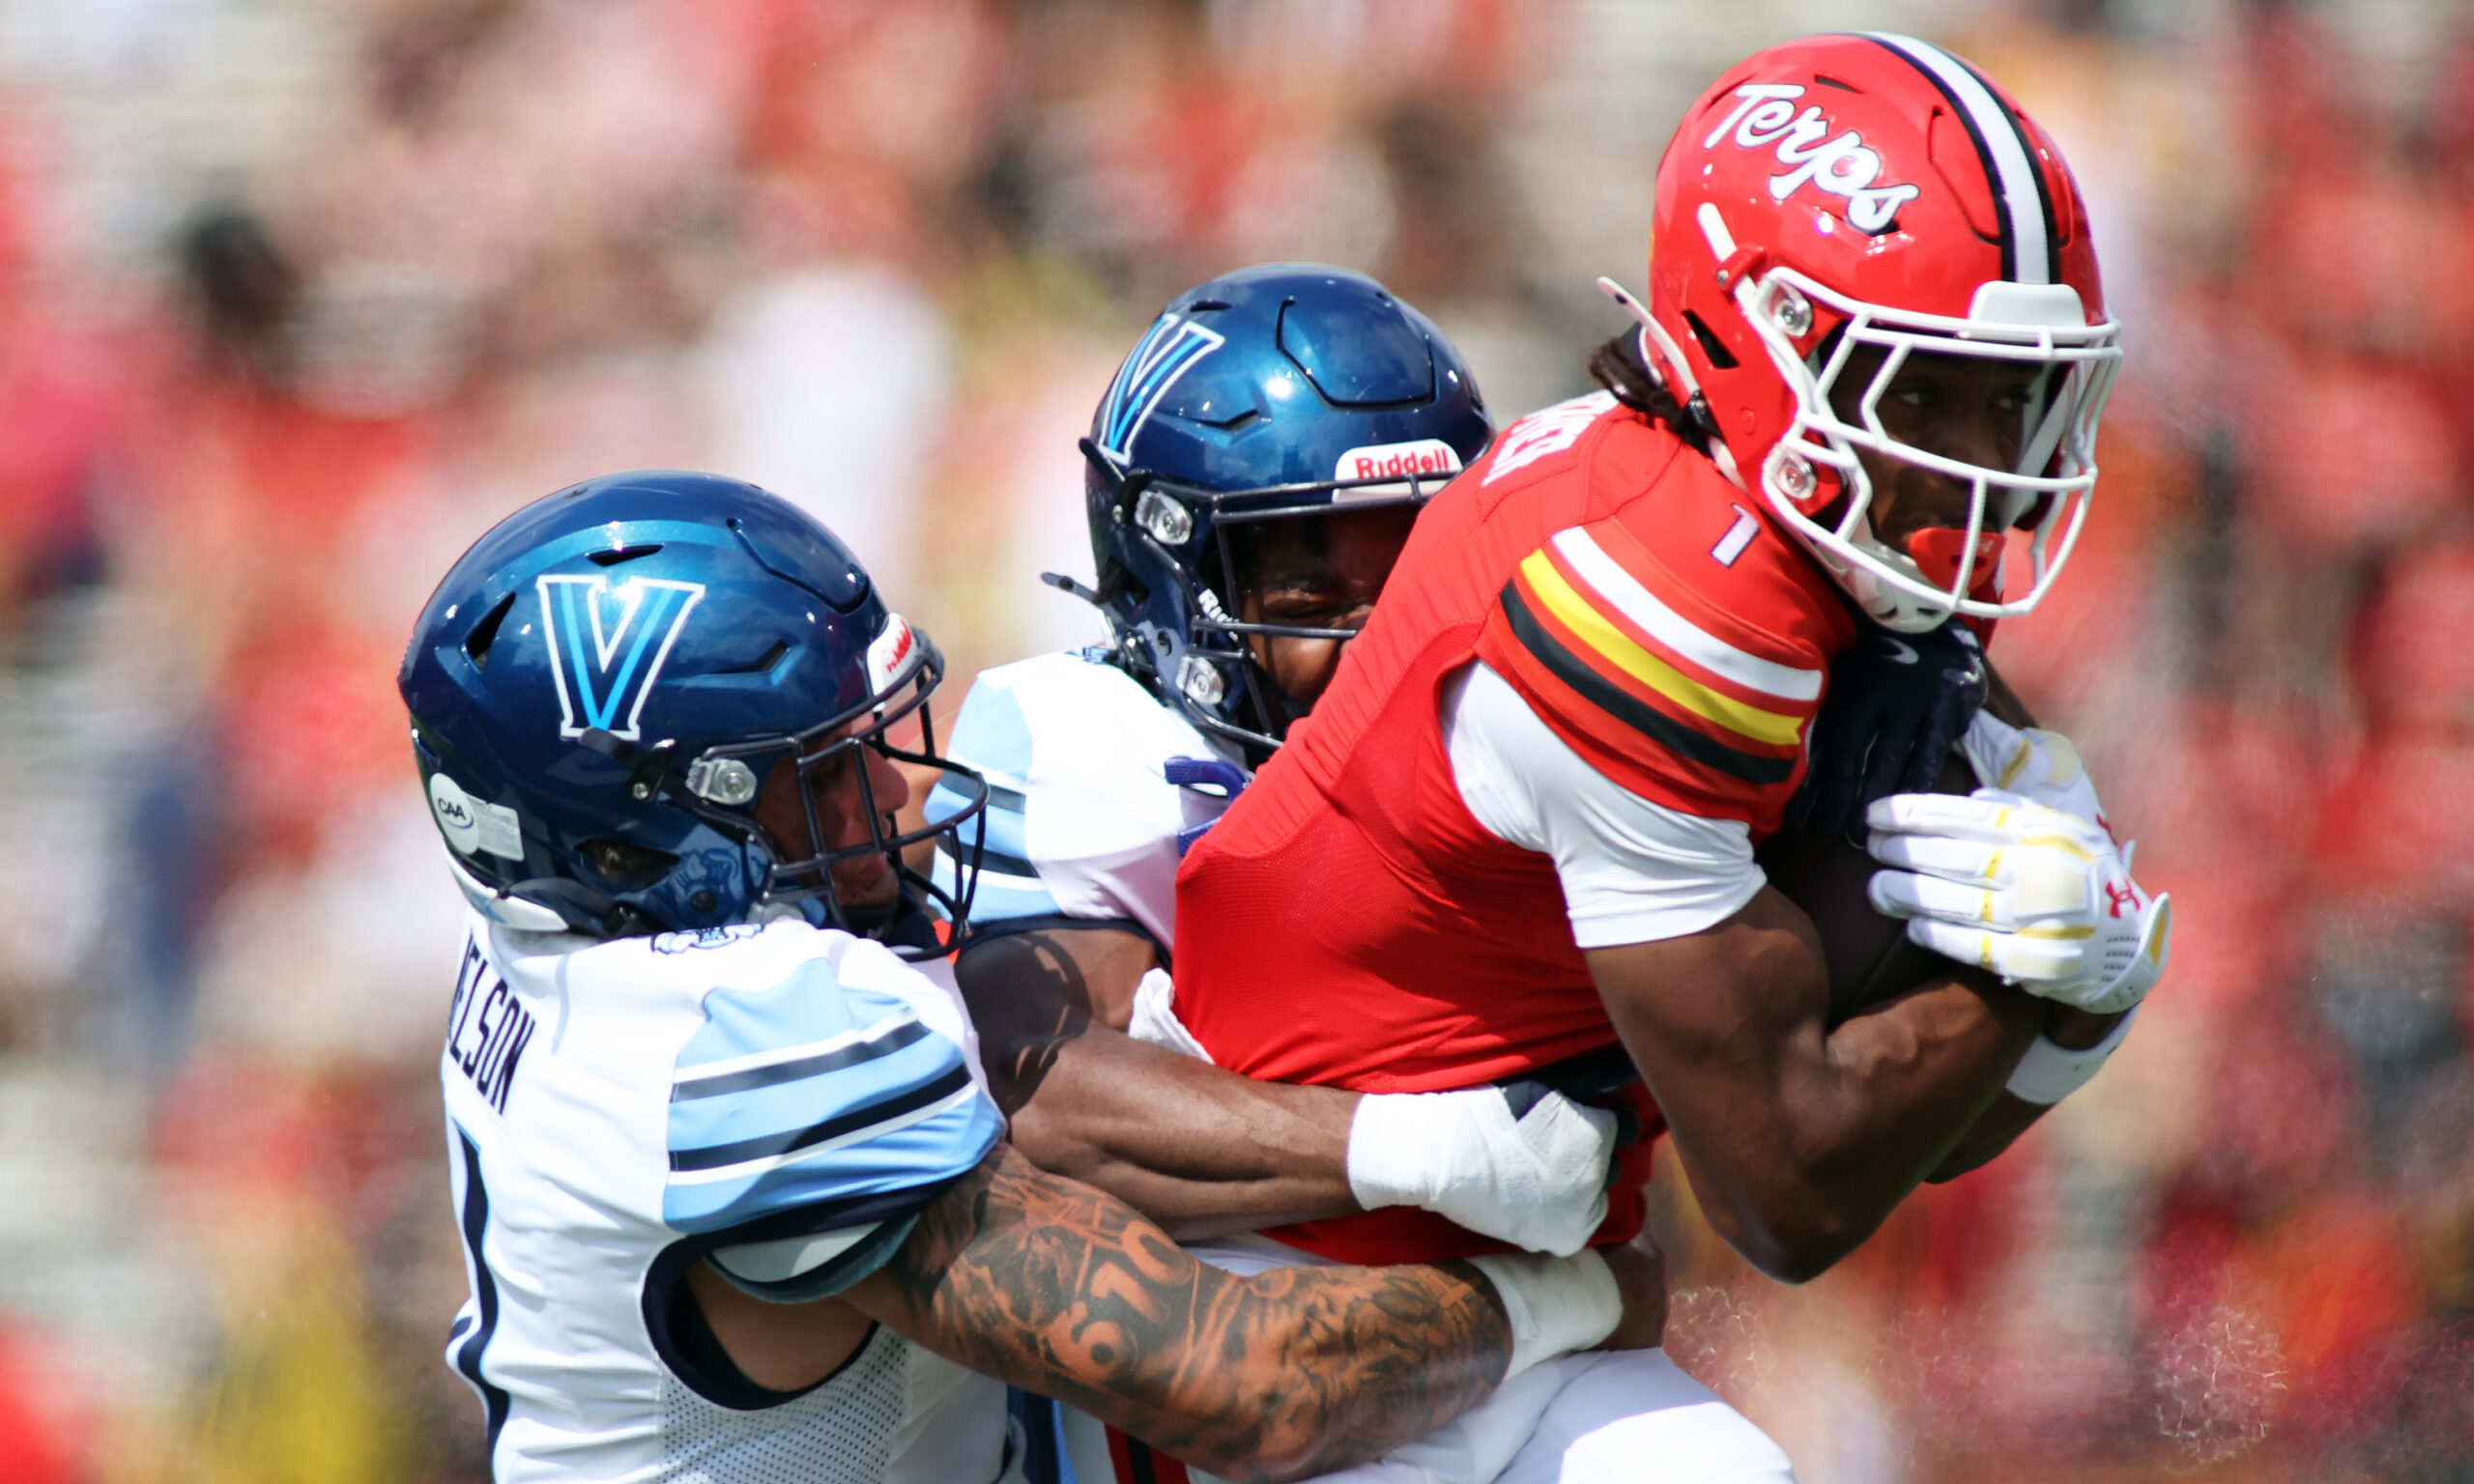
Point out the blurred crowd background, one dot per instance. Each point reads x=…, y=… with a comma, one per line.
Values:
x=296, y=297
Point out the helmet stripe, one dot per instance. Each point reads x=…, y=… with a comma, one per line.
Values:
x=2044, y=192
x=2028, y=251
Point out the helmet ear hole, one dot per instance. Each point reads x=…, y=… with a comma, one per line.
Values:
x=1117, y=583
x=629, y=868
x=1711, y=346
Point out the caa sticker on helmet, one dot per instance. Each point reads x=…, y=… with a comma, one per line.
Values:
x=607, y=646
x=454, y=808
x=471, y=824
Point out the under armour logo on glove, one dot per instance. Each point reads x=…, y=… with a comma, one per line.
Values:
x=1896, y=706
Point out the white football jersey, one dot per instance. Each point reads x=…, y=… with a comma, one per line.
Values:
x=1083, y=821
x=784, y=1095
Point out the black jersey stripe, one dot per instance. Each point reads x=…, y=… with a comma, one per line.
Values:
x=1675, y=736
x=990, y=856
x=884, y=1110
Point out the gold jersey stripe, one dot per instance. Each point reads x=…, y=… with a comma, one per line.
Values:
x=1620, y=650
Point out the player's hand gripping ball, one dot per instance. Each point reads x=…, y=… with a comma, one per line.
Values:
x=1898, y=703
x=1869, y=956
x=2042, y=766
x=2040, y=896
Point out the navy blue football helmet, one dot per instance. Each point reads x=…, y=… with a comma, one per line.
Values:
x=602, y=690
x=1282, y=392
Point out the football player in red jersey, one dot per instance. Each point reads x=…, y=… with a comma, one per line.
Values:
x=1519, y=831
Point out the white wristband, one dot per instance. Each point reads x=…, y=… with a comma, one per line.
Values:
x=2048, y=1074
x=1391, y=1156
x=1556, y=1304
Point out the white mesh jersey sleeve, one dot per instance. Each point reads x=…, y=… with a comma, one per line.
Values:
x=1632, y=872
x=1083, y=821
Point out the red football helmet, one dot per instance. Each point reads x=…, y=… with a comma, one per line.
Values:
x=1841, y=191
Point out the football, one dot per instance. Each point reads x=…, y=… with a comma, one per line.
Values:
x=1869, y=955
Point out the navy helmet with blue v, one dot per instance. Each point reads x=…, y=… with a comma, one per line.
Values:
x=641, y=704
x=1274, y=401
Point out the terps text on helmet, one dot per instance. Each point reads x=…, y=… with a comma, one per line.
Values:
x=1840, y=164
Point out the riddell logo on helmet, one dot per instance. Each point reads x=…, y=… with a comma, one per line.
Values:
x=1397, y=461
x=890, y=652
x=1840, y=164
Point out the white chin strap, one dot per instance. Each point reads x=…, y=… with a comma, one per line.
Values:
x=1896, y=608
x=504, y=910
x=1915, y=606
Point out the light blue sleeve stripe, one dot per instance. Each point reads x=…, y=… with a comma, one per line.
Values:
x=928, y=1153
x=810, y=1005
x=704, y=1123
x=904, y=1114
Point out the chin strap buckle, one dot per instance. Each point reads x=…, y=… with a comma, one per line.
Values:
x=1213, y=778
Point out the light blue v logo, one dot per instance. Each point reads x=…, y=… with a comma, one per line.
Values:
x=607, y=646
x=1168, y=350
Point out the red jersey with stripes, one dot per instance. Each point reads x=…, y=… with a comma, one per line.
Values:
x=1350, y=922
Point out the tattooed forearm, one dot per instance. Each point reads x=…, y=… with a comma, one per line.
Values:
x=1194, y=1146
x=1055, y=1287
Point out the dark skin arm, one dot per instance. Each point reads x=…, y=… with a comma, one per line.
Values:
x=2008, y=1116
x=1200, y=1150
x=1799, y=1138
x=1054, y=1287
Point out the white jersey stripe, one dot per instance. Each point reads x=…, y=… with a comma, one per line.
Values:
x=751, y=1168
x=2017, y=189
x=702, y=1072
x=1677, y=631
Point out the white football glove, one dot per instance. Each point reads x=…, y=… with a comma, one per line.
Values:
x=2042, y=898
x=2039, y=766
x=1537, y=1180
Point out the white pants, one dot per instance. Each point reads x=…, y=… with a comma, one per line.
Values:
x=1600, y=1416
